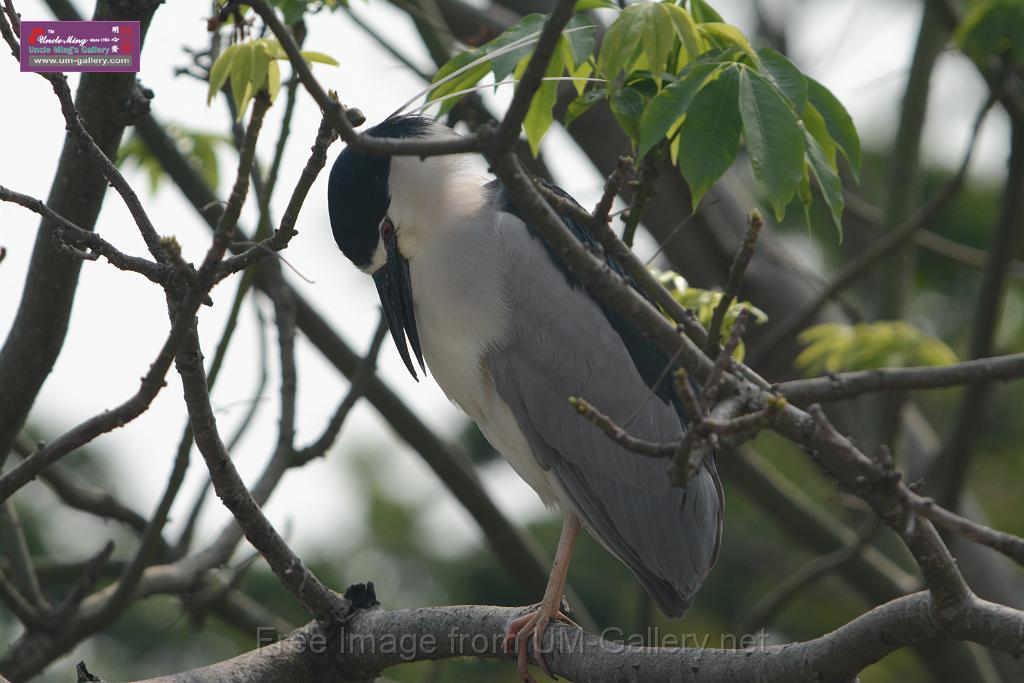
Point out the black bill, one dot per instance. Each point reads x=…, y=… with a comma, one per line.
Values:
x=394, y=286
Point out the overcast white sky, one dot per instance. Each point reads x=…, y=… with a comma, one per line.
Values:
x=859, y=49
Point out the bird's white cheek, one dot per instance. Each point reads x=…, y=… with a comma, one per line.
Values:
x=380, y=257
x=410, y=242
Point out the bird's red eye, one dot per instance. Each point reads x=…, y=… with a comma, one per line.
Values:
x=387, y=229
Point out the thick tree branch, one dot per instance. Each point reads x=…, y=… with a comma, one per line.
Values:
x=376, y=639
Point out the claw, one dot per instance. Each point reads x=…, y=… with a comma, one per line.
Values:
x=531, y=626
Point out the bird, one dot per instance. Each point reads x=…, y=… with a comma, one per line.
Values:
x=475, y=293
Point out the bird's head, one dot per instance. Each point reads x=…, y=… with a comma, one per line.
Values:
x=384, y=210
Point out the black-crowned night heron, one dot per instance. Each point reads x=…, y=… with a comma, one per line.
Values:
x=510, y=334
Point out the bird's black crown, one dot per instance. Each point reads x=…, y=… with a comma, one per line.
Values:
x=357, y=192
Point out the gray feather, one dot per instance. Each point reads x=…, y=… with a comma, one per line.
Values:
x=565, y=346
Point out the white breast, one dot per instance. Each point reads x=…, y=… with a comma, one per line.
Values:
x=461, y=314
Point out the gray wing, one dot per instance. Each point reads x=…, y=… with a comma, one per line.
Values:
x=565, y=346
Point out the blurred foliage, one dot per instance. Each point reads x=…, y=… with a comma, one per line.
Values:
x=834, y=347
x=199, y=147
x=294, y=10
x=993, y=28
x=703, y=303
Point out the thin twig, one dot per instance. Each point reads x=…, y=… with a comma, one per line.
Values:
x=107, y=167
x=724, y=360
x=619, y=435
x=623, y=169
x=1008, y=544
x=838, y=386
x=75, y=236
x=83, y=584
x=357, y=387
x=644, y=193
x=736, y=273
x=765, y=609
x=15, y=545
x=28, y=614
x=962, y=253
x=283, y=235
x=153, y=381
x=508, y=130
x=339, y=116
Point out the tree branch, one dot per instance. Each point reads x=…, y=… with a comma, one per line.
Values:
x=736, y=273
x=843, y=385
x=376, y=639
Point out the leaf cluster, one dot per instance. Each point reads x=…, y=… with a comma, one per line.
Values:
x=683, y=83
x=703, y=303
x=836, y=347
x=252, y=67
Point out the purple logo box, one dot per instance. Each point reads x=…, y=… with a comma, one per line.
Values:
x=58, y=46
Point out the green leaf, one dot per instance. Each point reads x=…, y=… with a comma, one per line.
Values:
x=505, y=64
x=580, y=42
x=686, y=31
x=804, y=192
x=703, y=13
x=541, y=115
x=220, y=71
x=786, y=76
x=273, y=80
x=241, y=73
x=726, y=36
x=815, y=125
x=582, y=103
x=828, y=180
x=627, y=107
x=837, y=120
x=319, y=57
x=274, y=47
x=669, y=105
x=710, y=134
x=622, y=41
x=659, y=36
x=259, y=66
x=292, y=10
x=775, y=141
x=585, y=5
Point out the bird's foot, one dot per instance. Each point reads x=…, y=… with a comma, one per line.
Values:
x=531, y=626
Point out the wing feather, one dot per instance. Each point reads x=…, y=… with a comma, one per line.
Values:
x=565, y=345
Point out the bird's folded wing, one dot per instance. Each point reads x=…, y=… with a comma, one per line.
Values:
x=564, y=345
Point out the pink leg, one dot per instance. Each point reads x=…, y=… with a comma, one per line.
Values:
x=535, y=623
